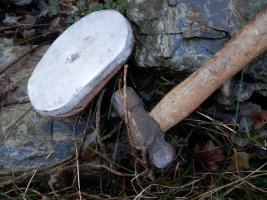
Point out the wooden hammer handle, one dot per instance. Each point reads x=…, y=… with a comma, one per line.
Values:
x=249, y=42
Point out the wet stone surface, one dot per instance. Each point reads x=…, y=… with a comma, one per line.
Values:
x=28, y=140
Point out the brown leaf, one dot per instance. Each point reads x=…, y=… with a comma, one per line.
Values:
x=254, y=112
x=263, y=116
x=209, y=155
x=28, y=19
x=240, y=160
x=249, y=109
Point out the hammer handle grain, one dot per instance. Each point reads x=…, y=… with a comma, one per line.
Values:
x=250, y=42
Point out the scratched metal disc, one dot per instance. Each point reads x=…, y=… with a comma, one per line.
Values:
x=80, y=62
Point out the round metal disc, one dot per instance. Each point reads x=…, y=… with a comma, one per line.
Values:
x=80, y=62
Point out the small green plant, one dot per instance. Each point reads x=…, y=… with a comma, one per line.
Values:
x=248, y=132
x=119, y=5
x=53, y=7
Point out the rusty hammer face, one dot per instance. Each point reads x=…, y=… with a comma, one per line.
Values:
x=250, y=42
x=144, y=129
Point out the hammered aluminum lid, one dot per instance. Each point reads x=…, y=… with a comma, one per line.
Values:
x=80, y=62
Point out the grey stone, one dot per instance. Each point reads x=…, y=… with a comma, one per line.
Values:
x=185, y=36
x=29, y=141
x=16, y=66
x=254, y=82
x=172, y=2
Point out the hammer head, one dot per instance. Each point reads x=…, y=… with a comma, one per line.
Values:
x=144, y=129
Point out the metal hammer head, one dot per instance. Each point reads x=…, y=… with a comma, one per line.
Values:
x=144, y=129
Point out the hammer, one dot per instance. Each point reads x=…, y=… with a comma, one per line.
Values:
x=148, y=128
x=89, y=53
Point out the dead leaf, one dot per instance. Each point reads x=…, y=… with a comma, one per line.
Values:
x=249, y=109
x=239, y=161
x=254, y=112
x=263, y=115
x=28, y=19
x=209, y=155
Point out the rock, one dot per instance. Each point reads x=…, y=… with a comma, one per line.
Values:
x=28, y=140
x=172, y=2
x=16, y=66
x=254, y=82
x=184, y=36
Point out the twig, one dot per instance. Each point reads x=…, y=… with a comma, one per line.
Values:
x=127, y=114
x=116, y=146
x=128, y=131
x=14, y=190
x=22, y=56
x=114, y=88
x=53, y=150
x=137, y=132
x=51, y=182
x=24, y=101
x=98, y=117
x=142, y=143
x=29, y=183
x=212, y=120
x=23, y=26
x=108, y=169
x=77, y=161
x=110, y=134
x=203, y=195
x=85, y=166
x=109, y=160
